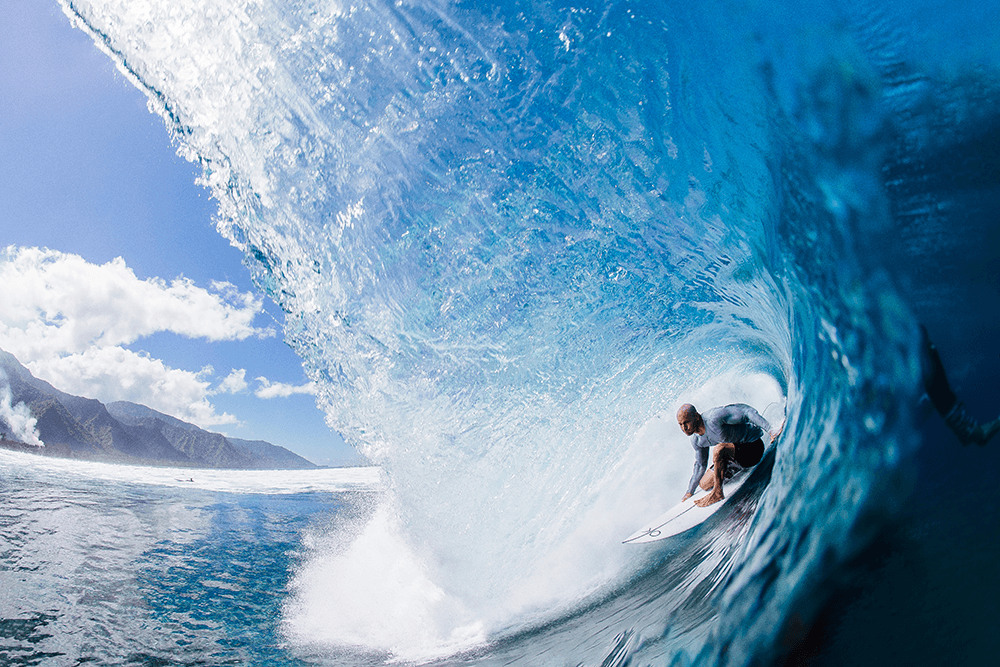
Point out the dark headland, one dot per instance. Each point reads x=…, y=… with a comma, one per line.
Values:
x=121, y=432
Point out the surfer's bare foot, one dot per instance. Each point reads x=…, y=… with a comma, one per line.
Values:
x=710, y=499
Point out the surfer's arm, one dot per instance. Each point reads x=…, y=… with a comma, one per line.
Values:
x=745, y=414
x=700, y=466
x=755, y=418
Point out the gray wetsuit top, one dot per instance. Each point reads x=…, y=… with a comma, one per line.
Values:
x=736, y=423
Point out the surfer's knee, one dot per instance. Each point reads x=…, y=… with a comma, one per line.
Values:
x=725, y=451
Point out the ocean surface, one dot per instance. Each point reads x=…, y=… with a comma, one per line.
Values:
x=510, y=239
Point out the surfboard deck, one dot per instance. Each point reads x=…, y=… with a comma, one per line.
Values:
x=685, y=515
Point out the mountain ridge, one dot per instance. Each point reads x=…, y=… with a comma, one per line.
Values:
x=124, y=432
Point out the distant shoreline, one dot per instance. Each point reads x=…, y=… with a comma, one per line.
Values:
x=61, y=451
x=58, y=451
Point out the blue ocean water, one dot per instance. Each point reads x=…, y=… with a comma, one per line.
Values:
x=510, y=240
x=124, y=565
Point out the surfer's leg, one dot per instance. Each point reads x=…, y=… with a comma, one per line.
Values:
x=748, y=454
x=724, y=453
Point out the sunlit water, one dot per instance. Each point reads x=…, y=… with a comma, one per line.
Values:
x=105, y=564
x=510, y=241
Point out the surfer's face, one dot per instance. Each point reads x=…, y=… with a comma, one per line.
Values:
x=688, y=423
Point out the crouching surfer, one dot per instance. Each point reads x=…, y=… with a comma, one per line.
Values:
x=737, y=433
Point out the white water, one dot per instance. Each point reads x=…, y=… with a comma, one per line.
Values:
x=271, y=482
x=22, y=424
x=380, y=587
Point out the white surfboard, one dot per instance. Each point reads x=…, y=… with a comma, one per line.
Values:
x=685, y=515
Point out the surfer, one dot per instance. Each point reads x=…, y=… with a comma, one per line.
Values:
x=736, y=431
x=965, y=426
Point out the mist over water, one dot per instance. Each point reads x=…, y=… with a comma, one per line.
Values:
x=511, y=241
x=22, y=425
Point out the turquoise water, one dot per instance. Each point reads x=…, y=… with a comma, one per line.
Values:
x=510, y=241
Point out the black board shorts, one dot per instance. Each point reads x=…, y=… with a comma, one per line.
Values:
x=749, y=454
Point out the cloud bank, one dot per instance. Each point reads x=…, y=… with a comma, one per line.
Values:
x=282, y=390
x=69, y=321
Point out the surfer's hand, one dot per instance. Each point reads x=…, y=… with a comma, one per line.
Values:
x=686, y=496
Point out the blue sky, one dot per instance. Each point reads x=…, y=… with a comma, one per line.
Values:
x=117, y=285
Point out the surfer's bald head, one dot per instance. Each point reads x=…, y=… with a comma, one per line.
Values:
x=689, y=419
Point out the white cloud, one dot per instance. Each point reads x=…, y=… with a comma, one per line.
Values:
x=234, y=383
x=57, y=303
x=67, y=320
x=116, y=374
x=281, y=389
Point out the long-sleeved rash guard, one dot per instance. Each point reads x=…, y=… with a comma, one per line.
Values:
x=736, y=423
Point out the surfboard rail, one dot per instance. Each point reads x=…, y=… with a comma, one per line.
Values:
x=684, y=515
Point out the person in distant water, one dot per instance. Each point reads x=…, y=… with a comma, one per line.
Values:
x=737, y=433
x=966, y=427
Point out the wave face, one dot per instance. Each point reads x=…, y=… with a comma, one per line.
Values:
x=511, y=240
